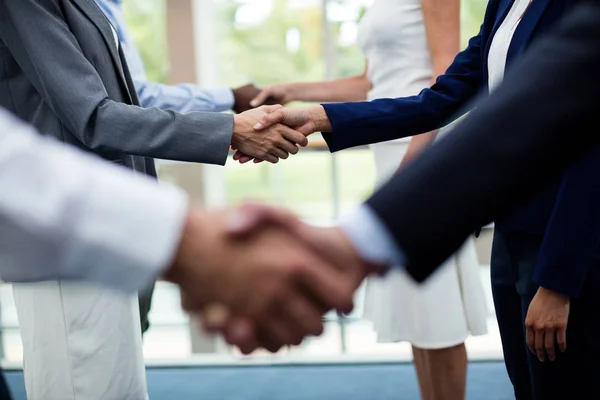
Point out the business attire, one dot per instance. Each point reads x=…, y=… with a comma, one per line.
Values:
x=63, y=71
x=183, y=98
x=529, y=243
x=452, y=305
x=82, y=229
x=506, y=149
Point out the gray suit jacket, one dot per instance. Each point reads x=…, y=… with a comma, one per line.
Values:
x=61, y=71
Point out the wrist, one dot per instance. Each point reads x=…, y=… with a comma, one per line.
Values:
x=178, y=271
x=549, y=292
x=319, y=118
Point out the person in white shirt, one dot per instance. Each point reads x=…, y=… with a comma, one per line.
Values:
x=67, y=215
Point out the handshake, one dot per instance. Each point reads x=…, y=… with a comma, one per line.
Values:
x=262, y=277
x=270, y=133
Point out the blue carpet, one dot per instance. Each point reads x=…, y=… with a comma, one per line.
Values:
x=487, y=381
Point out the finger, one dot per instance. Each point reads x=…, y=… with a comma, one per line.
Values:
x=257, y=161
x=304, y=315
x=276, y=333
x=241, y=332
x=539, y=344
x=272, y=108
x=280, y=154
x=244, y=219
x=561, y=339
x=287, y=146
x=242, y=158
x=260, y=98
x=215, y=317
x=530, y=338
x=326, y=283
x=294, y=136
x=270, y=119
x=549, y=336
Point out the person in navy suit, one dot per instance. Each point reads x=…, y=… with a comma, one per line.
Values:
x=545, y=260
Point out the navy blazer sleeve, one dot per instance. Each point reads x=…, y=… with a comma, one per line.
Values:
x=360, y=123
x=528, y=132
x=573, y=232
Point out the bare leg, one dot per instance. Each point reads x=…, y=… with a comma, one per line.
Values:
x=422, y=367
x=446, y=371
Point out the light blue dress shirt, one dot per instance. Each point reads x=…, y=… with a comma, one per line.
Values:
x=371, y=238
x=182, y=98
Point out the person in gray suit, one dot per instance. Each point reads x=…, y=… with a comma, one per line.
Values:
x=63, y=71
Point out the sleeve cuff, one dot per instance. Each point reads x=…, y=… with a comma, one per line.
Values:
x=371, y=238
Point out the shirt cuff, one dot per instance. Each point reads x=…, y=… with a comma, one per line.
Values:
x=128, y=232
x=222, y=98
x=371, y=238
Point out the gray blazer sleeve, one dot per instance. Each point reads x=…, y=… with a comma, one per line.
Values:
x=39, y=39
x=542, y=119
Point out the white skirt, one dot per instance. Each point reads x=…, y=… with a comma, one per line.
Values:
x=80, y=342
x=439, y=313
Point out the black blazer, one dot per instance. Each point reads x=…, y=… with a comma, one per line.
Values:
x=537, y=123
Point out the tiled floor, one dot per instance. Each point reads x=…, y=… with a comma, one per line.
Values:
x=169, y=338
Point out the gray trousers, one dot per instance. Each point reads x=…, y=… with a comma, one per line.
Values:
x=145, y=300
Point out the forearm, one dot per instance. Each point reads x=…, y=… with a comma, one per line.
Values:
x=353, y=88
x=183, y=98
x=67, y=215
x=572, y=236
x=79, y=99
x=417, y=145
x=442, y=28
x=514, y=147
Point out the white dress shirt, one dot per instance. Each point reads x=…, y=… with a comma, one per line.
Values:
x=67, y=215
x=501, y=42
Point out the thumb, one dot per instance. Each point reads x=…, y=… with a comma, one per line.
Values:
x=274, y=116
x=249, y=217
x=260, y=98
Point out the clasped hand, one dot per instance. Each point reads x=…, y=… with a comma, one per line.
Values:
x=275, y=131
x=262, y=277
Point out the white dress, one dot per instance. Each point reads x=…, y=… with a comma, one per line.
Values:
x=81, y=341
x=443, y=311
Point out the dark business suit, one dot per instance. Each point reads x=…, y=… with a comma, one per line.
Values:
x=545, y=241
x=536, y=124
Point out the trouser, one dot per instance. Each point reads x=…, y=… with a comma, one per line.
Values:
x=145, y=303
x=574, y=374
x=80, y=342
x=4, y=392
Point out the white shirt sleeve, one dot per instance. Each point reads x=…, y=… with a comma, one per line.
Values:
x=371, y=238
x=67, y=215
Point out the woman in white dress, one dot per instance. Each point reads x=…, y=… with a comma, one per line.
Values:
x=407, y=43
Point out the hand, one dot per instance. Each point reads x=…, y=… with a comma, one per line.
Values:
x=242, y=97
x=270, y=144
x=305, y=120
x=330, y=243
x=267, y=278
x=546, y=321
x=278, y=94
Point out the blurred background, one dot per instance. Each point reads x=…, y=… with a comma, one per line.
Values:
x=233, y=42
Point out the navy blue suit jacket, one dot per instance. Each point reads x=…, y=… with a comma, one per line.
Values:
x=559, y=211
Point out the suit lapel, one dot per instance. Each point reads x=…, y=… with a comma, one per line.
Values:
x=97, y=17
x=524, y=31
